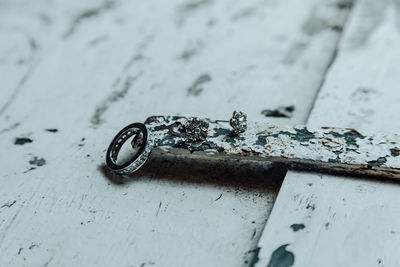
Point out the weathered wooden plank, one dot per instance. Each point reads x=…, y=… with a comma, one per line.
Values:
x=100, y=66
x=326, y=149
x=322, y=220
x=28, y=31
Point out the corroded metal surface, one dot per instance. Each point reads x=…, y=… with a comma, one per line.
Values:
x=334, y=150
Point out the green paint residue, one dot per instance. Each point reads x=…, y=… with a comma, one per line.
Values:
x=261, y=140
x=201, y=146
x=229, y=135
x=22, y=141
x=333, y=160
x=221, y=131
x=303, y=135
x=350, y=137
x=281, y=257
x=337, y=159
x=297, y=226
x=176, y=118
x=377, y=163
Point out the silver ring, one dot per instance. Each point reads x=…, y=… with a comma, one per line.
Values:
x=143, y=152
x=196, y=130
x=238, y=122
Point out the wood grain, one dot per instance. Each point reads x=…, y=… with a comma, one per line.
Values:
x=96, y=66
x=346, y=221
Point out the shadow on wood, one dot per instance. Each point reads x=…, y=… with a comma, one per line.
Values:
x=238, y=172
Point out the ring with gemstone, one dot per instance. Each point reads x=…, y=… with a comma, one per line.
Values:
x=238, y=122
x=141, y=155
x=196, y=130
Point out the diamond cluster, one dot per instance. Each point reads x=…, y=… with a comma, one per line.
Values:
x=238, y=122
x=196, y=130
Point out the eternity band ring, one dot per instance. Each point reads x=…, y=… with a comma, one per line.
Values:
x=141, y=155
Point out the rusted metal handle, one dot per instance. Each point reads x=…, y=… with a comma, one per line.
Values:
x=326, y=149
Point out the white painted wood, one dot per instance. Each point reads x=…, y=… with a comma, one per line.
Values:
x=347, y=221
x=101, y=65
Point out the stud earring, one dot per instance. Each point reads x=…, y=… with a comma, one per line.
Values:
x=196, y=130
x=238, y=122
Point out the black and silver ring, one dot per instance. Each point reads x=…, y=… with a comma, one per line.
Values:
x=141, y=155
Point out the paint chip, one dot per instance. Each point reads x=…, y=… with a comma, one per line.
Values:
x=297, y=226
x=196, y=89
x=376, y=163
x=22, y=141
x=281, y=257
x=280, y=112
x=37, y=161
x=395, y=152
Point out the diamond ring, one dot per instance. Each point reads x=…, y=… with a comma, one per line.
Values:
x=142, y=141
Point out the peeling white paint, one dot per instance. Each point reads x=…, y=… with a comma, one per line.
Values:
x=345, y=149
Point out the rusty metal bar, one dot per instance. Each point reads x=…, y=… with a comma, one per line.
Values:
x=326, y=149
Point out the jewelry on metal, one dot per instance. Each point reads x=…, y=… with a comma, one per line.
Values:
x=143, y=141
x=238, y=122
x=196, y=130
